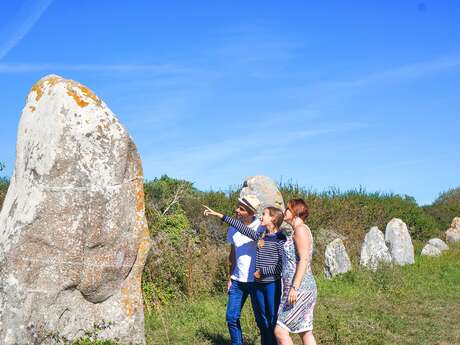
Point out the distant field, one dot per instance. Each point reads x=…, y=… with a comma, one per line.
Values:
x=417, y=304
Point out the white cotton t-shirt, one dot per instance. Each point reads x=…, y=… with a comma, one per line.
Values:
x=245, y=253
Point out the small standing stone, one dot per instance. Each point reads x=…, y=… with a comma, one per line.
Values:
x=374, y=250
x=438, y=243
x=399, y=242
x=453, y=233
x=430, y=250
x=336, y=259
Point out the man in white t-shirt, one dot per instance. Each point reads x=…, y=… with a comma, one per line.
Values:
x=242, y=259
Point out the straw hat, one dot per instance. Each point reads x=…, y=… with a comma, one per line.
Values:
x=250, y=201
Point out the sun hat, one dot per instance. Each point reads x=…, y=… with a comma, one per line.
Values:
x=250, y=201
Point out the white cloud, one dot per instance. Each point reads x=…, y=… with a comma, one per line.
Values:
x=193, y=159
x=399, y=74
x=151, y=68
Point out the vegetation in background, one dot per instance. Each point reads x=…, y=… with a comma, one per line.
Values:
x=4, y=183
x=445, y=207
x=189, y=257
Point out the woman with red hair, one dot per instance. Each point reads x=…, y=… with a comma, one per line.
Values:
x=298, y=299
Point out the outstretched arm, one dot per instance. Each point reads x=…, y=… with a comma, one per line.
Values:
x=238, y=225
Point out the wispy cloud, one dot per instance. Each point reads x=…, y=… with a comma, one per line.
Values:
x=150, y=68
x=336, y=129
x=203, y=157
x=399, y=74
x=28, y=15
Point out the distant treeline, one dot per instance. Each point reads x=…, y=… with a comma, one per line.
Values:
x=189, y=256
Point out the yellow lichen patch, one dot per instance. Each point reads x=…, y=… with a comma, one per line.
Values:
x=32, y=108
x=131, y=299
x=90, y=94
x=81, y=94
x=38, y=89
x=145, y=244
x=140, y=203
x=40, y=85
x=131, y=294
x=72, y=93
x=128, y=301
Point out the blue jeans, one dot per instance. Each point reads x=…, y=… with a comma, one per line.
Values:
x=237, y=295
x=267, y=297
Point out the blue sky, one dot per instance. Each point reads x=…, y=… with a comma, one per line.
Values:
x=324, y=93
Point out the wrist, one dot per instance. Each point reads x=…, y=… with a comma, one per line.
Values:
x=294, y=288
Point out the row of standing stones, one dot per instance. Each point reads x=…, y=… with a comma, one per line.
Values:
x=395, y=247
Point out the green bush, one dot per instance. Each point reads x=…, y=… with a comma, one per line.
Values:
x=445, y=207
x=185, y=259
x=4, y=184
x=172, y=225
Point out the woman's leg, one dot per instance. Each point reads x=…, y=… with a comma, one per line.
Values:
x=307, y=338
x=282, y=336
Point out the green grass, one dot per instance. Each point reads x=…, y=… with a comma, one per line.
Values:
x=416, y=304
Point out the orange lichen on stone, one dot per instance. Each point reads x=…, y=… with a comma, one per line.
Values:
x=32, y=108
x=72, y=93
x=72, y=88
x=127, y=300
x=130, y=292
x=90, y=94
x=38, y=87
x=140, y=203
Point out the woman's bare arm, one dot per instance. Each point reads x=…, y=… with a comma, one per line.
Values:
x=303, y=244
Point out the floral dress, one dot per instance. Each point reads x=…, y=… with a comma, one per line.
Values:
x=297, y=317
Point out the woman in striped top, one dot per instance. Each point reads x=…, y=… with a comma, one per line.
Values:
x=269, y=265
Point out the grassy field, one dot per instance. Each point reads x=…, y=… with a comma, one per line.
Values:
x=416, y=304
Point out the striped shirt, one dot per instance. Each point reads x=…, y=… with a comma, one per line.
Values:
x=268, y=256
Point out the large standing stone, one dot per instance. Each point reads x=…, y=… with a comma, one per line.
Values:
x=453, y=234
x=73, y=234
x=374, y=250
x=336, y=260
x=438, y=243
x=399, y=242
x=430, y=250
x=265, y=189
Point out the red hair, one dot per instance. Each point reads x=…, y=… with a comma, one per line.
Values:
x=299, y=208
